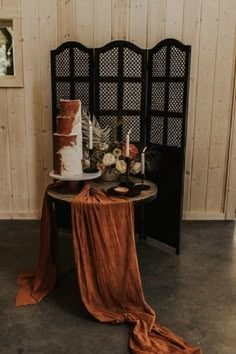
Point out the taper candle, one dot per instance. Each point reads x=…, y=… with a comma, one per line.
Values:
x=143, y=161
x=127, y=143
x=90, y=135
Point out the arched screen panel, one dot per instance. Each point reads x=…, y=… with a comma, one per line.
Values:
x=168, y=79
x=120, y=89
x=72, y=75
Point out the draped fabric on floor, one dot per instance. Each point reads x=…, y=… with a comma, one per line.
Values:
x=107, y=269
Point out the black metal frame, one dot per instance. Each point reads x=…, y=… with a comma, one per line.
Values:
x=145, y=89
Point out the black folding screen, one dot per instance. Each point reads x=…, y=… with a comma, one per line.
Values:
x=146, y=90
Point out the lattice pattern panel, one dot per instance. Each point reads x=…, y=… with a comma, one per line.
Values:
x=176, y=97
x=167, y=93
x=133, y=123
x=62, y=63
x=62, y=92
x=120, y=84
x=175, y=132
x=177, y=62
x=108, y=98
x=156, y=131
x=108, y=63
x=72, y=75
x=158, y=96
x=132, y=64
x=159, y=63
x=111, y=122
x=132, y=96
x=81, y=63
x=82, y=93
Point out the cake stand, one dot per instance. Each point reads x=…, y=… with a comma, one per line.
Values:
x=73, y=183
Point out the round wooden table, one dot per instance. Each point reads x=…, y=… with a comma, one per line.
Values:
x=144, y=197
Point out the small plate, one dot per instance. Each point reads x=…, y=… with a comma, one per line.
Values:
x=132, y=192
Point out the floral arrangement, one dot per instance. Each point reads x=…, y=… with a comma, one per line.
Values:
x=114, y=158
x=107, y=155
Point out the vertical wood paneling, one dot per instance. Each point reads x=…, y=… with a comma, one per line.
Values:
x=26, y=152
x=102, y=22
x=120, y=19
x=5, y=173
x=221, y=107
x=204, y=101
x=156, y=13
x=174, y=19
x=138, y=22
x=84, y=22
x=191, y=36
x=231, y=182
x=47, y=41
x=33, y=102
x=11, y=4
x=65, y=20
x=18, y=151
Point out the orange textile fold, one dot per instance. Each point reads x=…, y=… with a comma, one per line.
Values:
x=108, y=273
x=34, y=286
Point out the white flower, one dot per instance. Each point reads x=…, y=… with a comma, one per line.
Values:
x=108, y=159
x=103, y=146
x=116, y=152
x=121, y=166
x=136, y=168
x=86, y=163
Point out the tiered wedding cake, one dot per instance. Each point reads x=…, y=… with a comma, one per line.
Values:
x=68, y=140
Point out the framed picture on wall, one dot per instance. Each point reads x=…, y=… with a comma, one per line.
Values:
x=11, y=73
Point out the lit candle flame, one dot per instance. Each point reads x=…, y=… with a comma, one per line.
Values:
x=145, y=149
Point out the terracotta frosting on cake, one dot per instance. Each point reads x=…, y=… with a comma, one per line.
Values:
x=68, y=139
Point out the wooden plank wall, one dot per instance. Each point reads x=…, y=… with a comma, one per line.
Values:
x=25, y=114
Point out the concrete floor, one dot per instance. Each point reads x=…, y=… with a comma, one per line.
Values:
x=194, y=294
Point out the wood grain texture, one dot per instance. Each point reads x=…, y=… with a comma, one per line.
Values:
x=156, y=14
x=138, y=22
x=120, y=19
x=5, y=171
x=65, y=20
x=47, y=42
x=191, y=36
x=33, y=102
x=144, y=196
x=18, y=151
x=230, y=200
x=221, y=112
x=102, y=22
x=174, y=19
x=12, y=4
x=204, y=102
x=207, y=25
x=84, y=13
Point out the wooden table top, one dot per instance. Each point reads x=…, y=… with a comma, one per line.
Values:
x=145, y=196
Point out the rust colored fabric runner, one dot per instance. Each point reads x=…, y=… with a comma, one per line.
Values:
x=107, y=270
x=34, y=286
